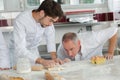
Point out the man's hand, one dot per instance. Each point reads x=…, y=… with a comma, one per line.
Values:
x=54, y=57
x=66, y=60
x=111, y=47
x=108, y=56
x=57, y=60
x=46, y=63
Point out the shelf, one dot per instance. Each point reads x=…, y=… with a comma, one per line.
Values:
x=6, y=29
x=79, y=12
x=63, y=24
x=74, y=24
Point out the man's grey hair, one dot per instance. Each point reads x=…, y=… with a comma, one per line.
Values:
x=70, y=36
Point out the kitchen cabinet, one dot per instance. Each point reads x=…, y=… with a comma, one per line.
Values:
x=13, y=5
x=69, y=4
x=1, y=5
x=21, y=5
x=31, y=4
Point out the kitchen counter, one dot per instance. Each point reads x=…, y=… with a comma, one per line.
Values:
x=78, y=70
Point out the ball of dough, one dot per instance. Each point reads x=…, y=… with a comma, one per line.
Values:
x=4, y=77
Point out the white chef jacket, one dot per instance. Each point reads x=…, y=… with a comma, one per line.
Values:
x=4, y=56
x=91, y=43
x=28, y=35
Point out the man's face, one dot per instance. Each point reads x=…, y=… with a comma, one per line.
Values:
x=71, y=48
x=46, y=20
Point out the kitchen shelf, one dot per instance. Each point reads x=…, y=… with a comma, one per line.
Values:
x=79, y=12
x=6, y=29
x=61, y=24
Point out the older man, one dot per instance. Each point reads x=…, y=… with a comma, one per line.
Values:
x=85, y=45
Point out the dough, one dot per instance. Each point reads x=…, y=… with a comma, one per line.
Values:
x=56, y=68
x=48, y=76
x=37, y=67
x=16, y=78
x=4, y=77
x=98, y=60
x=34, y=67
x=53, y=76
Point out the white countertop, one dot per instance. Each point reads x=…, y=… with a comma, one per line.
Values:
x=78, y=70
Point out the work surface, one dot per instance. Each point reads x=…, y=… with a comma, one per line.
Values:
x=78, y=70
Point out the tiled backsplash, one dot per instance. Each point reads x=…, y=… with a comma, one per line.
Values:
x=6, y=19
x=109, y=16
x=3, y=23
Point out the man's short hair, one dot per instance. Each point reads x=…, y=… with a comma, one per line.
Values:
x=69, y=36
x=51, y=8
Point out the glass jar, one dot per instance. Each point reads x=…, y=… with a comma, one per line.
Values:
x=23, y=65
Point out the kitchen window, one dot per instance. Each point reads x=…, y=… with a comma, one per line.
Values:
x=1, y=5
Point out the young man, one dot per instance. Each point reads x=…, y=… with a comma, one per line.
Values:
x=4, y=56
x=29, y=29
x=85, y=45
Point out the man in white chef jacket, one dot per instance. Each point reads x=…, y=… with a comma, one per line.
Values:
x=85, y=45
x=4, y=56
x=29, y=29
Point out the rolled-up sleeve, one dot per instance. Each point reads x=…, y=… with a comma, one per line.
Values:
x=50, y=38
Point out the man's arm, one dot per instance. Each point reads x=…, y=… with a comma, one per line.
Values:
x=51, y=47
x=54, y=57
x=111, y=47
